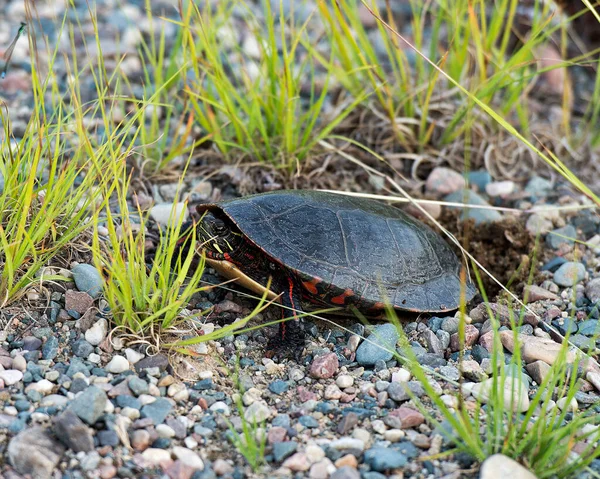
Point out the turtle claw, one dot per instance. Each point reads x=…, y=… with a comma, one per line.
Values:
x=288, y=343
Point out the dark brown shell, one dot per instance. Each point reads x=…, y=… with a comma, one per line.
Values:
x=370, y=250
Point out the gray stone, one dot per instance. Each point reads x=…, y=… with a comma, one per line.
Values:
x=50, y=348
x=157, y=410
x=380, y=345
x=82, y=348
x=479, y=215
x=73, y=433
x=592, y=290
x=90, y=405
x=283, y=450
x=346, y=472
x=565, y=235
x=87, y=279
x=382, y=458
x=33, y=451
x=569, y=274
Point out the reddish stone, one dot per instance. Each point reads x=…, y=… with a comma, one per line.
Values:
x=107, y=471
x=178, y=470
x=78, y=301
x=276, y=434
x=304, y=394
x=471, y=335
x=324, y=366
x=409, y=417
x=487, y=340
x=203, y=404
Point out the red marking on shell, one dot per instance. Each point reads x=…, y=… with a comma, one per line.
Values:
x=341, y=299
x=310, y=286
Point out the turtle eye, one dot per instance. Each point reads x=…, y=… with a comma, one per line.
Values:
x=219, y=225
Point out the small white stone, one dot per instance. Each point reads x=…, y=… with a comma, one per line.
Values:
x=221, y=407
x=146, y=399
x=178, y=391
x=379, y=426
x=190, y=443
x=154, y=456
x=117, y=365
x=94, y=358
x=43, y=387
x=257, y=412
x=500, y=188
x=572, y=405
x=401, y=376
x=347, y=443
x=11, y=376
x=96, y=334
x=362, y=434
x=19, y=363
x=344, y=381
x=314, y=453
x=188, y=457
x=394, y=435
x=130, y=413
x=332, y=392
x=166, y=212
x=165, y=431
x=251, y=396
x=133, y=356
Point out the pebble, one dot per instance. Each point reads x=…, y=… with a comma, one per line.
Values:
x=117, y=365
x=344, y=381
x=569, y=274
x=11, y=376
x=34, y=451
x=565, y=235
x=500, y=188
x=478, y=215
x=163, y=213
x=499, y=466
x=157, y=411
x=297, y=462
x=535, y=293
x=324, y=366
x=515, y=395
x=379, y=346
x=592, y=290
x=90, y=404
x=87, y=279
x=345, y=472
x=283, y=450
x=257, y=412
x=96, y=334
x=188, y=457
x=382, y=459
x=443, y=181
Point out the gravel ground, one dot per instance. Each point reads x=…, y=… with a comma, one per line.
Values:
x=78, y=402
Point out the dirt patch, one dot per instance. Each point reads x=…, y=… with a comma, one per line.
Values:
x=504, y=248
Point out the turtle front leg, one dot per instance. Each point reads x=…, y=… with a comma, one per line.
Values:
x=290, y=339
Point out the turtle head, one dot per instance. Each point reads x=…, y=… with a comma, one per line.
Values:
x=218, y=234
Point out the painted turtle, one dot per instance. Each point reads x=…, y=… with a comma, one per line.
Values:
x=332, y=250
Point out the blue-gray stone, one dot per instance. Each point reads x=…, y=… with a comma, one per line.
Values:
x=34, y=396
x=582, y=342
x=203, y=431
x=82, y=348
x=22, y=405
x=479, y=215
x=107, y=438
x=279, y=387
x=372, y=475
x=565, y=235
x=162, y=443
x=138, y=386
x=589, y=327
x=380, y=345
x=382, y=459
x=87, y=279
x=90, y=405
x=31, y=343
x=204, y=385
x=569, y=274
x=538, y=187
x=480, y=179
x=565, y=325
x=283, y=450
x=308, y=422
x=78, y=385
x=157, y=411
x=128, y=401
x=281, y=420
x=77, y=366
x=554, y=264
x=50, y=348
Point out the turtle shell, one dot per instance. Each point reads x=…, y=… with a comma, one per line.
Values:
x=348, y=250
